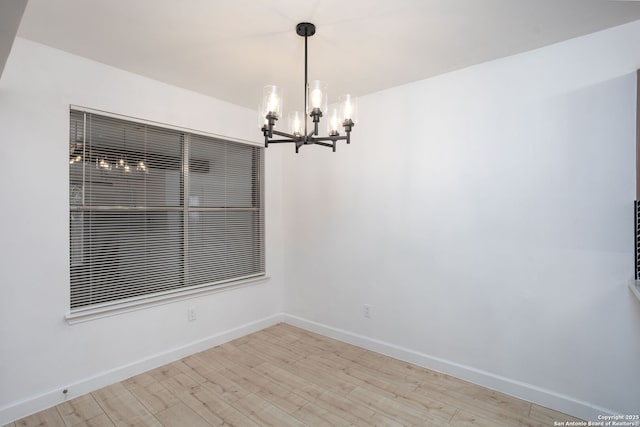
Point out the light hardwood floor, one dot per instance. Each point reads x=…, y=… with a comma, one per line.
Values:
x=285, y=376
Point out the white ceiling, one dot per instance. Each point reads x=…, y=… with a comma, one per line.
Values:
x=230, y=49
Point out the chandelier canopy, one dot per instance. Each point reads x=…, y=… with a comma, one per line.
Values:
x=315, y=106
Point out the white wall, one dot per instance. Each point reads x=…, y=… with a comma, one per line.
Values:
x=486, y=215
x=39, y=352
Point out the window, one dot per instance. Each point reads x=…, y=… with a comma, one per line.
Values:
x=155, y=211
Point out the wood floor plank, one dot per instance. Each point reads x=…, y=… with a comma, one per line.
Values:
x=142, y=380
x=146, y=420
x=203, y=364
x=479, y=405
x=286, y=376
x=435, y=409
x=240, y=380
x=502, y=401
x=319, y=379
x=165, y=372
x=212, y=418
x=307, y=389
x=290, y=402
x=381, y=384
x=233, y=417
x=331, y=379
x=313, y=418
x=265, y=414
x=213, y=408
x=392, y=368
x=202, y=395
x=363, y=376
x=179, y=381
x=80, y=409
x=236, y=353
x=466, y=419
x=292, y=346
x=121, y=406
x=352, y=411
x=100, y=421
x=367, y=377
x=228, y=389
x=251, y=379
x=282, y=335
x=184, y=388
x=112, y=391
x=180, y=415
x=155, y=397
x=310, y=374
x=49, y=417
x=188, y=370
x=263, y=349
x=313, y=415
x=548, y=416
x=386, y=407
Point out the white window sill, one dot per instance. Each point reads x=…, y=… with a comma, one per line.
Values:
x=634, y=285
x=85, y=315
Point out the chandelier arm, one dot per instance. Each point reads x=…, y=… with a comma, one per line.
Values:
x=286, y=135
x=324, y=144
x=280, y=141
x=330, y=138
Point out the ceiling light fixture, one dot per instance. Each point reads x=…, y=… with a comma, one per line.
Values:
x=315, y=106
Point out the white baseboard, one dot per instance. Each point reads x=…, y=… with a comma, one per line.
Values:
x=16, y=410
x=547, y=398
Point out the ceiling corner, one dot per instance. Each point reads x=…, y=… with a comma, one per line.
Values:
x=11, y=12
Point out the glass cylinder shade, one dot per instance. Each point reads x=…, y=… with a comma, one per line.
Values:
x=333, y=121
x=348, y=108
x=296, y=123
x=317, y=96
x=271, y=101
x=262, y=119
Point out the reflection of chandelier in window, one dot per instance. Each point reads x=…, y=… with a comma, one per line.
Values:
x=75, y=149
x=122, y=161
x=141, y=167
x=100, y=155
x=122, y=164
x=103, y=163
x=75, y=159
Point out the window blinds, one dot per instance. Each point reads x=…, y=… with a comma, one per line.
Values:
x=156, y=211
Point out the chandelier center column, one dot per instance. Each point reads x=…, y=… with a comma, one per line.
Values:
x=306, y=88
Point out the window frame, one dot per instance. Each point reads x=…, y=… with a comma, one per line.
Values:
x=95, y=311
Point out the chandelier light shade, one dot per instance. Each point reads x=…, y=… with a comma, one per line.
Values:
x=333, y=122
x=296, y=128
x=317, y=97
x=271, y=101
x=340, y=117
x=349, y=109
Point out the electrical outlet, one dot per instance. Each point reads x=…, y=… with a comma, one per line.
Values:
x=367, y=311
x=191, y=314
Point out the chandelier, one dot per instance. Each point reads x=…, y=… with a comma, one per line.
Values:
x=315, y=106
